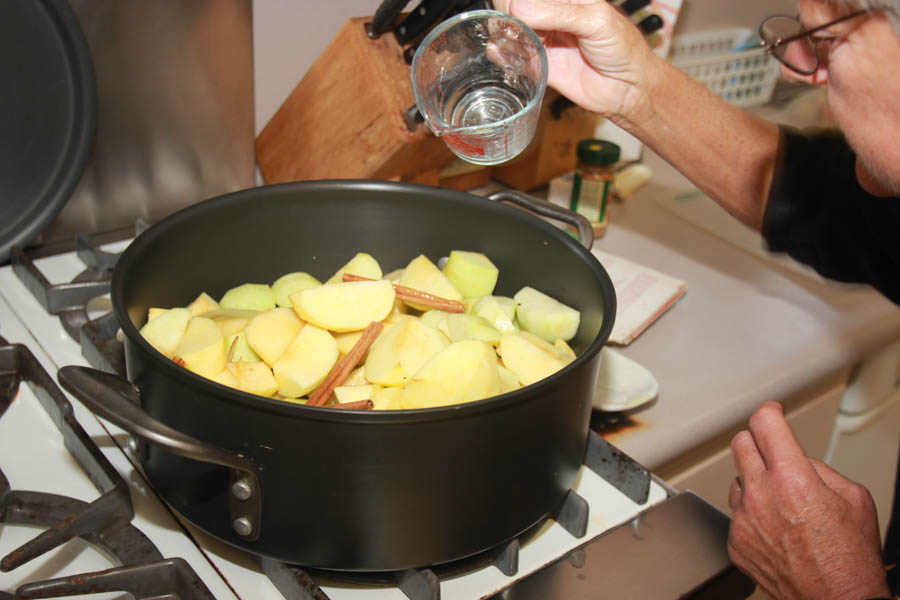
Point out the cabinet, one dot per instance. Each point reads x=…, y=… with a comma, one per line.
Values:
x=709, y=469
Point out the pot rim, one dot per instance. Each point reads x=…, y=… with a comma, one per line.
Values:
x=393, y=417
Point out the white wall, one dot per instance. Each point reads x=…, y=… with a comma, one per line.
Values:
x=290, y=34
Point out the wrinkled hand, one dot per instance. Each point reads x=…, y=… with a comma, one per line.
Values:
x=800, y=529
x=597, y=58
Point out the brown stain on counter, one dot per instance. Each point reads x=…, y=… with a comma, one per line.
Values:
x=610, y=424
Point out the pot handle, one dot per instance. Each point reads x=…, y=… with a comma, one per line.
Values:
x=115, y=399
x=548, y=209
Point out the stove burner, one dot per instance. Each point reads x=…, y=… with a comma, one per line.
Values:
x=71, y=302
x=105, y=522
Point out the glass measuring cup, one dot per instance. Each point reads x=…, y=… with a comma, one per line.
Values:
x=478, y=79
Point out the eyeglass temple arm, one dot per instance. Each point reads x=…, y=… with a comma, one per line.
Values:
x=808, y=32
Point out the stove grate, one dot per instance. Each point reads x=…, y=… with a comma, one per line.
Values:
x=71, y=301
x=105, y=522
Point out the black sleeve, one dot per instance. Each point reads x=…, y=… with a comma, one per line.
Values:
x=818, y=214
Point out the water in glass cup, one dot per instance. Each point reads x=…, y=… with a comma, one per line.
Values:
x=478, y=80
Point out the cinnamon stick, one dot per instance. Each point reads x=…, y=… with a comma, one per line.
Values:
x=356, y=405
x=342, y=369
x=418, y=296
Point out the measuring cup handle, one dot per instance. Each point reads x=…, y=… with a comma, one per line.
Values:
x=548, y=209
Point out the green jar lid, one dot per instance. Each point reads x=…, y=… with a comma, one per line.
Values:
x=598, y=152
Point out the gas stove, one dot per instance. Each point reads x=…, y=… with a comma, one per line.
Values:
x=54, y=309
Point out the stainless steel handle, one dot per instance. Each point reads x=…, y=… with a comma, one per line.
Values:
x=115, y=399
x=550, y=210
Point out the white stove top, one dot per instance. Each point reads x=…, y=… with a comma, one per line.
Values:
x=227, y=572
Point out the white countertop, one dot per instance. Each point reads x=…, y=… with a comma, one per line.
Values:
x=748, y=330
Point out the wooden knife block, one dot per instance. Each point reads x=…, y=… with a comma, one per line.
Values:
x=345, y=119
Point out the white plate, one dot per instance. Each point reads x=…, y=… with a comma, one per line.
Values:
x=622, y=384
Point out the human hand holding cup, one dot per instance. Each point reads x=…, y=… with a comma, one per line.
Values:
x=478, y=79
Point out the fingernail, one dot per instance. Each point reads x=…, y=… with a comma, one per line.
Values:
x=524, y=8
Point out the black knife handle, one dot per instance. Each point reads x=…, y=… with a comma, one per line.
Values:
x=650, y=23
x=385, y=17
x=419, y=20
x=629, y=7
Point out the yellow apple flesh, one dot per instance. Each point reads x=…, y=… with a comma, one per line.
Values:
x=305, y=362
x=254, y=377
x=401, y=350
x=544, y=316
x=362, y=264
x=349, y=306
x=165, y=330
x=530, y=358
x=249, y=296
x=202, y=304
x=462, y=372
x=202, y=348
x=423, y=275
x=496, y=310
x=238, y=349
x=471, y=273
x=270, y=332
x=287, y=284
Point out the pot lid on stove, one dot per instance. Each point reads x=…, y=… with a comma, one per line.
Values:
x=48, y=115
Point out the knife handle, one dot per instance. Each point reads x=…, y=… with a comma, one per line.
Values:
x=385, y=17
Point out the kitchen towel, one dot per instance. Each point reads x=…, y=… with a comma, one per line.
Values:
x=642, y=295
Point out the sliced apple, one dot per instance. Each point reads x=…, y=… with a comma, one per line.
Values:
x=423, y=275
x=357, y=376
x=165, y=330
x=287, y=284
x=387, y=398
x=346, y=340
x=471, y=273
x=291, y=400
x=471, y=327
x=254, y=377
x=565, y=348
x=393, y=276
x=154, y=312
x=349, y=306
x=529, y=357
x=231, y=320
x=354, y=393
x=305, y=362
x=434, y=318
x=202, y=304
x=508, y=380
x=545, y=317
x=462, y=372
x=401, y=350
x=202, y=348
x=238, y=349
x=499, y=311
x=225, y=377
x=249, y=296
x=270, y=332
x=362, y=264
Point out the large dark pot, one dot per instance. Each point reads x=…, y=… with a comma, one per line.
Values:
x=353, y=490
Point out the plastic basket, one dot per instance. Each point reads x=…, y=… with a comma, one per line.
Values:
x=714, y=58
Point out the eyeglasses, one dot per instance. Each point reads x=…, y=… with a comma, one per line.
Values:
x=784, y=38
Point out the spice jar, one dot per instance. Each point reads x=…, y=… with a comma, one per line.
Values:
x=593, y=181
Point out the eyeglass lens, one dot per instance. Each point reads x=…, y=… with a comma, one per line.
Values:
x=798, y=54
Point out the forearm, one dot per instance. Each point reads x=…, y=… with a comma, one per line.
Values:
x=724, y=150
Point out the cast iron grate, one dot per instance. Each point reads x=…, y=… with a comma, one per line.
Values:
x=72, y=301
x=104, y=522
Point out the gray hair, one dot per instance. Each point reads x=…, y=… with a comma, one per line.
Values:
x=891, y=8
